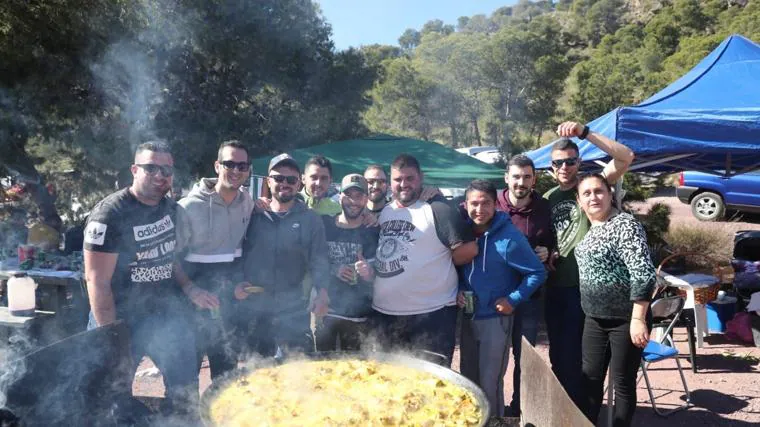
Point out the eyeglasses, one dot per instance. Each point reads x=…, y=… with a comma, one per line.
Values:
x=375, y=181
x=290, y=179
x=152, y=169
x=241, y=166
x=570, y=161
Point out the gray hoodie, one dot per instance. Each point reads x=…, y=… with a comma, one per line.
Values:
x=280, y=250
x=209, y=230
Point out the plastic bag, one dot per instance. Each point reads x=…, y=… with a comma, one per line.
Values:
x=740, y=328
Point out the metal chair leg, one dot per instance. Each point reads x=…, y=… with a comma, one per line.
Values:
x=692, y=348
x=649, y=386
x=651, y=394
x=685, y=387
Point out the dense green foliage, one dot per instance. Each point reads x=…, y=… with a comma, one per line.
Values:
x=82, y=82
x=507, y=78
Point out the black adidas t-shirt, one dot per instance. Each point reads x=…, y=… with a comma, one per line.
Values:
x=144, y=238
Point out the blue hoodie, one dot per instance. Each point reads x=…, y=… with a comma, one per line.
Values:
x=506, y=266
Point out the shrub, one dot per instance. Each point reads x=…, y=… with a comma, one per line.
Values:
x=656, y=223
x=635, y=188
x=713, y=247
x=544, y=182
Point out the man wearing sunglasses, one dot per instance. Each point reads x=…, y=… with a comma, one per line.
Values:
x=377, y=182
x=564, y=317
x=129, y=252
x=283, y=243
x=211, y=223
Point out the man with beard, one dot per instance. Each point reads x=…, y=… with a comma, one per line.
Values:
x=351, y=248
x=283, y=243
x=129, y=245
x=530, y=214
x=377, y=182
x=416, y=284
x=564, y=316
x=211, y=223
x=317, y=177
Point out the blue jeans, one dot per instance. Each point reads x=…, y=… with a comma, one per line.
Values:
x=564, y=326
x=526, y=319
x=169, y=340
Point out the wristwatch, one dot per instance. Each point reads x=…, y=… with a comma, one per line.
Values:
x=585, y=132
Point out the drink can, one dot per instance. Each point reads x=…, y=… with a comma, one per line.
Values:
x=354, y=276
x=469, y=302
x=25, y=252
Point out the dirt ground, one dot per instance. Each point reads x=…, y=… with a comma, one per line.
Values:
x=724, y=392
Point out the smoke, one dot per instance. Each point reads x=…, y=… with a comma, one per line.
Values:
x=13, y=366
x=129, y=82
x=129, y=74
x=127, y=77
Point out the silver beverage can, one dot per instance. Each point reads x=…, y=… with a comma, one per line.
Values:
x=354, y=275
x=469, y=302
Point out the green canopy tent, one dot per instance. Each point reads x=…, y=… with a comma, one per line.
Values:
x=442, y=166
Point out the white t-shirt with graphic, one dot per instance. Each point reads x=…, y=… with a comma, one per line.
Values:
x=414, y=270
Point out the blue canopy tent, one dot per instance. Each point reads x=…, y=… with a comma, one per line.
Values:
x=708, y=120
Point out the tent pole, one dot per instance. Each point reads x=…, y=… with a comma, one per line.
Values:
x=727, y=173
x=656, y=162
x=619, y=192
x=749, y=168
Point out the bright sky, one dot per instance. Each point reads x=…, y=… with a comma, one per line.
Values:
x=363, y=22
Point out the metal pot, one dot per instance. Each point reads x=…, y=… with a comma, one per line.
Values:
x=394, y=359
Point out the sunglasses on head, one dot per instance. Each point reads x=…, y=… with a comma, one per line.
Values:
x=571, y=161
x=284, y=178
x=241, y=166
x=152, y=169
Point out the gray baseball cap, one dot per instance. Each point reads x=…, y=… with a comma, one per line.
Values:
x=283, y=159
x=353, y=180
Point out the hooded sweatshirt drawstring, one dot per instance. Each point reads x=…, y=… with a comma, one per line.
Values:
x=210, y=211
x=485, y=252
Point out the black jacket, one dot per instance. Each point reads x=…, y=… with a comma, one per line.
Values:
x=278, y=253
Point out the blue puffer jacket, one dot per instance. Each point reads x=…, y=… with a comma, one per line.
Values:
x=506, y=266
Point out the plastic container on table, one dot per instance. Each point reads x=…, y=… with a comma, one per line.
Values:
x=719, y=312
x=21, y=295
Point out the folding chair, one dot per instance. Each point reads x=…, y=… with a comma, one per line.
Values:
x=665, y=313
